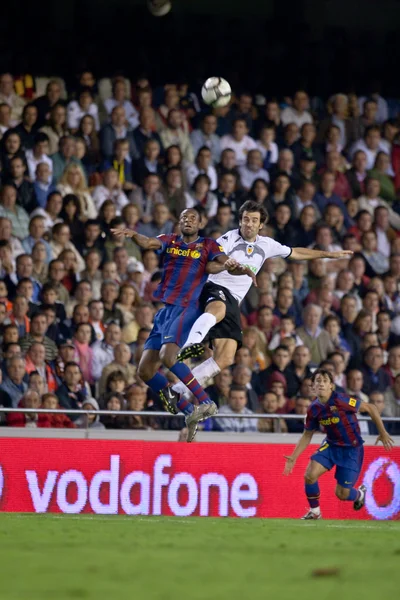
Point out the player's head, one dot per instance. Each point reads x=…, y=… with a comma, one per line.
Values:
x=323, y=383
x=189, y=221
x=252, y=218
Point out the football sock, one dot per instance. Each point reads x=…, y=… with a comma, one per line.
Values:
x=200, y=329
x=157, y=382
x=185, y=406
x=203, y=373
x=354, y=495
x=183, y=373
x=312, y=493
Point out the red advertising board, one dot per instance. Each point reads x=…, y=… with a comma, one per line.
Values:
x=158, y=478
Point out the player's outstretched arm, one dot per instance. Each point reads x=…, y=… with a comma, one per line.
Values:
x=383, y=436
x=301, y=446
x=223, y=263
x=309, y=254
x=143, y=241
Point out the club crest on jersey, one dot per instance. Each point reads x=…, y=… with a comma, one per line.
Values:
x=221, y=295
x=249, y=250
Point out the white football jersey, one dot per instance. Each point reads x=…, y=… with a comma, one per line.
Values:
x=249, y=254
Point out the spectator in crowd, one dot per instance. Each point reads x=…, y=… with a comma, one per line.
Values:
x=57, y=420
x=148, y=164
x=206, y=136
x=145, y=131
x=173, y=134
x=11, y=210
x=114, y=401
x=13, y=383
x=73, y=181
x=45, y=103
x=237, y=401
x=298, y=112
x=375, y=377
x=119, y=98
x=30, y=400
x=202, y=165
x=270, y=405
x=8, y=96
x=239, y=141
x=103, y=351
x=37, y=333
x=121, y=363
x=219, y=390
x=300, y=408
x=316, y=339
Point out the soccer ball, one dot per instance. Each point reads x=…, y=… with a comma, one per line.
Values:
x=216, y=92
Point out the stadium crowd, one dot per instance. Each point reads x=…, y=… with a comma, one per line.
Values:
x=77, y=304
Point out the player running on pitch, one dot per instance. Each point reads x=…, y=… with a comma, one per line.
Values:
x=187, y=259
x=223, y=293
x=343, y=446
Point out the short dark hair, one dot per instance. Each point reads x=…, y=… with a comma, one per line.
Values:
x=253, y=206
x=237, y=388
x=324, y=373
x=40, y=137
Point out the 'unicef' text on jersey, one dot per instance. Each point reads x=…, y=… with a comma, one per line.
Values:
x=184, y=268
x=249, y=254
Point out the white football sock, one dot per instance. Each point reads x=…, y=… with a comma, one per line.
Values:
x=316, y=510
x=203, y=373
x=200, y=329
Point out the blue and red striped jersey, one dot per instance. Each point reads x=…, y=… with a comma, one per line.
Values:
x=184, y=268
x=337, y=418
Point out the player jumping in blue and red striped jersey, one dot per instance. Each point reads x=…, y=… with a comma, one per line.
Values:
x=343, y=446
x=187, y=261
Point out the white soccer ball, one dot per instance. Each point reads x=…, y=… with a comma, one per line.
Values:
x=216, y=92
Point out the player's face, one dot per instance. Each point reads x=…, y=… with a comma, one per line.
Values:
x=189, y=222
x=323, y=386
x=250, y=225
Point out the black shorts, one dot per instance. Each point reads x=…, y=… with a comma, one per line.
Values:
x=229, y=328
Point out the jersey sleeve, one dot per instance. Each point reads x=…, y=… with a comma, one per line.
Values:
x=275, y=249
x=165, y=240
x=348, y=403
x=214, y=250
x=225, y=242
x=311, y=423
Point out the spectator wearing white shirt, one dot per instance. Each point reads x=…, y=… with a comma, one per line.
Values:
x=371, y=200
x=77, y=109
x=110, y=190
x=202, y=166
x=252, y=170
x=51, y=211
x=382, y=113
x=8, y=96
x=5, y=118
x=239, y=141
x=297, y=113
x=103, y=351
x=173, y=135
x=202, y=196
x=73, y=182
x=119, y=99
x=267, y=145
x=38, y=154
x=206, y=136
x=371, y=144
x=236, y=406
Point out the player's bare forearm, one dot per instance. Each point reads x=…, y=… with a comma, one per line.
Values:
x=220, y=263
x=309, y=254
x=383, y=436
x=300, y=447
x=147, y=243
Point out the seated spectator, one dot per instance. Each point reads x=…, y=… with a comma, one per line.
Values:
x=27, y=129
x=146, y=130
x=370, y=144
x=280, y=364
x=300, y=408
x=269, y=405
x=377, y=398
x=316, y=339
x=30, y=399
x=42, y=185
x=228, y=194
x=5, y=118
x=37, y=333
x=116, y=130
x=284, y=230
x=35, y=361
x=121, y=363
x=90, y=421
x=77, y=109
x=11, y=210
x=298, y=113
x=202, y=165
x=73, y=181
x=239, y=141
x=386, y=235
x=147, y=198
x=306, y=227
x=71, y=393
x=148, y=164
x=259, y=191
x=88, y=134
x=285, y=330
x=376, y=262
x=237, y=401
x=119, y=98
x=219, y=390
x=242, y=376
x=363, y=224
x=386, y=338
x=173, y=134
x=392, y=403
x=65, y=156
x=122, y=165
x=382, y=171
x=13, y=383
x=201, y=196
x=371, y=200
x=267, y=146
x=10, y=148
x=8, y=96
x=55, y=128
x=25, y=190
x=57, y=420
x=61, y=242
x=39, y=260
x=277, y=383
x=83, y=352
x=114, y=401
x=37, y=230
x=51, y=211
x=333, y=327
x=375, y=377
x=103, y=351
x=306, y=146
x=357, y=174
x=281, y=192
x=19, y=315
x=334, y=164
x=290, y=136
x=174, y=195
x=228, y=164
x=128, y=300
x=252, y=170
x=38, y=154
x=23, y=270
x=111, y=189
x=392, y=366
x=206, y=136
x=136, y=397
x=326, y=196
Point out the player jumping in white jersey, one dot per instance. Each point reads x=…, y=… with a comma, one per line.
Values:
x=223, y=293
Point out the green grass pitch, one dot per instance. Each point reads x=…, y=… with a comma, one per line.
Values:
x=161, y=558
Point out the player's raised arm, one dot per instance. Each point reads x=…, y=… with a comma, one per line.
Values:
x=383, y=436
x=143, y=241
x=223, y=263
x=301, y=446
x=309, y=254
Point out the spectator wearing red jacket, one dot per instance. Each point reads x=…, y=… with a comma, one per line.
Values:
x=30, y=399
x=342, y=186
x=50, y=401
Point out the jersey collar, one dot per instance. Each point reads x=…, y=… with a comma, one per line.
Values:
x=245, y=241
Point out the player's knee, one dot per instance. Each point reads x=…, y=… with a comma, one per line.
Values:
x=342, y=493
x=309, y=478
x=167, y=356
x=144, y=372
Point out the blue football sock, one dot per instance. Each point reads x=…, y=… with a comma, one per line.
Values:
x=157, y=382
x=312, y=493
x=183, y=373
x=354, y=495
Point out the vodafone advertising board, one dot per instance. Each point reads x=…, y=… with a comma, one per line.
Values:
x=157, y=478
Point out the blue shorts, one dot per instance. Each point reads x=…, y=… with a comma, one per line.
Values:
x=348, y=462
x=172, y=325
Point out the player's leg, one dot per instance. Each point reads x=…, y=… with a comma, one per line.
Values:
x=313, y=473
x=347, y=473
x=224, y=356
